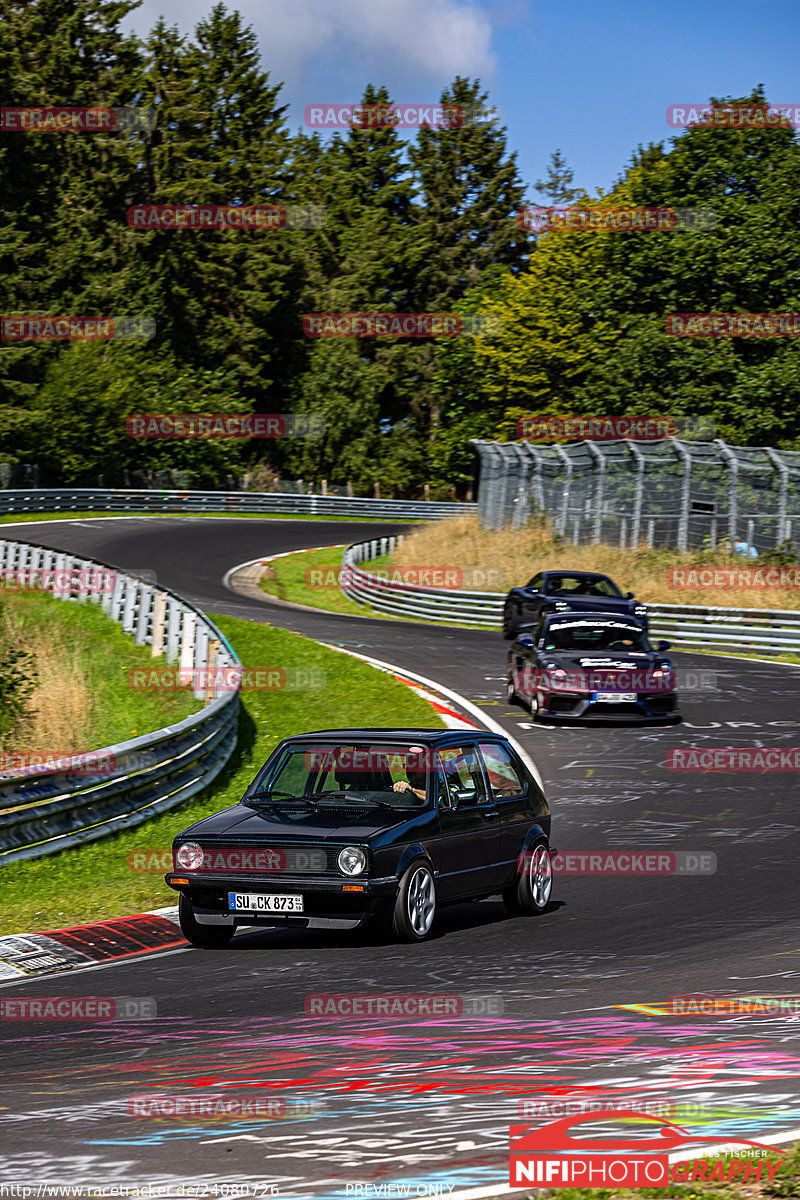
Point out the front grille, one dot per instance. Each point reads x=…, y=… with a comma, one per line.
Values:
x=269, y=860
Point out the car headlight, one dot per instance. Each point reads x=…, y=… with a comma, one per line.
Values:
x=189, y=856
x=352, y=861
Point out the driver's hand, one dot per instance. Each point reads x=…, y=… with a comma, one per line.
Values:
x=402, y=786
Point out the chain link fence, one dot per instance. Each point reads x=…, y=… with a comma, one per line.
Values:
x=627, y=493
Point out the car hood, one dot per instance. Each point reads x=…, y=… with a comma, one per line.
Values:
x=575, y=660
x=254, y=826
x=593, y=604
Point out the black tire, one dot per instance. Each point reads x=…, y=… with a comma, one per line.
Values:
x=530, y=894
x=512, y=696
x=207, y=937
x=510, y=620
x=415, y=904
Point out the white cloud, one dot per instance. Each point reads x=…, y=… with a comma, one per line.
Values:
x=315, y=45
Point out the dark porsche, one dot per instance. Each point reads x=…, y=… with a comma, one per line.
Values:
x=591, y=666
x=343, y=825
x=566, y=591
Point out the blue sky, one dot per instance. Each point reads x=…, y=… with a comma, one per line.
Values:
x=592, y=77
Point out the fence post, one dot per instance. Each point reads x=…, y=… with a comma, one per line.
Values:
x=599, y=487
x=782, y=469
x=638, y=492
x=561, y=524
x=733, y=494
x=683, y=521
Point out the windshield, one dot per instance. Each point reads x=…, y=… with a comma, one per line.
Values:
x=337, y=773
x=596, y=635
x=575, y=585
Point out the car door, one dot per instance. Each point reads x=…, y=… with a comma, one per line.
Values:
x=509, y=790
x=525, y=661
x=531, y=607
x=469, y=825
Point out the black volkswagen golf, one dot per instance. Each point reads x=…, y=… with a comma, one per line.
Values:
x=346, y=825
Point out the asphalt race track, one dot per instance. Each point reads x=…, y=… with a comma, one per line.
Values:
x=428, y=1102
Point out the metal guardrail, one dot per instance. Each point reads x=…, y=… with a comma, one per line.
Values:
x=25, y=500
x=683, y=624
x=44, y=809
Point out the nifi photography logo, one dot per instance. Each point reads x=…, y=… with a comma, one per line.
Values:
x=549, y=1156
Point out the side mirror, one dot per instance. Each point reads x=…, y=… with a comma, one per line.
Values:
x=525, y=639
x=629, y=596
x=663, y=646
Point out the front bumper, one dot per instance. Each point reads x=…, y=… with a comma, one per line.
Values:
x=326, y=905
x=565, y=706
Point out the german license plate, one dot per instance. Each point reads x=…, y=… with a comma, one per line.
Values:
x=259, y=902
x=616, y=697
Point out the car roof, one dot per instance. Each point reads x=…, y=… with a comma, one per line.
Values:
x=406, y=734
x=576, y=574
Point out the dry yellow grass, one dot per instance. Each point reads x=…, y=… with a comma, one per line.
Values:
x=510, y=557
x=61, y=702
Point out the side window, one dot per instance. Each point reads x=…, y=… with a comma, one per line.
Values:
x=536, y=582
x=463, y=775
x=504, y=778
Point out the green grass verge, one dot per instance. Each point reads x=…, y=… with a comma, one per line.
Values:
x=290, y=581
x=95, y=882
x=103, y=655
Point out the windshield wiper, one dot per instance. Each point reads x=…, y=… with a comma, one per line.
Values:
x=363, y=799
x=268, y=796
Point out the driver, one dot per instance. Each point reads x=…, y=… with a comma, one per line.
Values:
x=417, y=782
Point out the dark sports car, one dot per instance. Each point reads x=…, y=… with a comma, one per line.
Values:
x=345, y=825
x=566, y=591
x=593, y=666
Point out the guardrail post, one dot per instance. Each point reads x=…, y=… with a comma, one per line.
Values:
x=143, y=615
x=130, y=596
x=187, y=657
x=201, y=649
x=60, y=566
x=158, y=624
